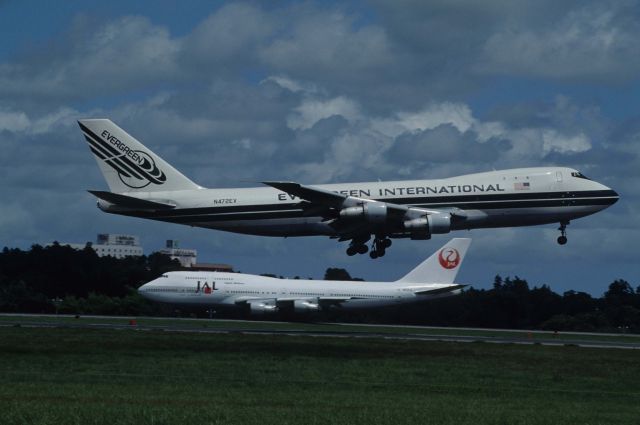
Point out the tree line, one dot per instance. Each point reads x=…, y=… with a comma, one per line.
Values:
x=60, y=279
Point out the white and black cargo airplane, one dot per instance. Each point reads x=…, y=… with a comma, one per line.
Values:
x=143, y=185
x=433, y=278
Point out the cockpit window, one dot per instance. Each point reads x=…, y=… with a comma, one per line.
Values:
x=579, y=175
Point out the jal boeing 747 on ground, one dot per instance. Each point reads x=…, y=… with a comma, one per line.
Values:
x=143, y=185
x=433, y=278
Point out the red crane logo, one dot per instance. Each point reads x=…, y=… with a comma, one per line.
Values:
x=449, y=258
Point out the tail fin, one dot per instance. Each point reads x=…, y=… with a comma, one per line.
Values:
x=442, y=266
x=127, y=165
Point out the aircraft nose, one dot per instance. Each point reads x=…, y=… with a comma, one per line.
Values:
x=608, y=195
x=615, y=196
x=144, y=289
x=611, y=196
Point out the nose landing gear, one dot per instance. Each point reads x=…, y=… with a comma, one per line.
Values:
x=562, y=239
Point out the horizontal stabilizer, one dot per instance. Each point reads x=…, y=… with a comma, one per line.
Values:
x=438, y=291
x=130, y=201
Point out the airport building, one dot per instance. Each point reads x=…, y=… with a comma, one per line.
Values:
x=121, y=246
x=212, y=267
x=118, y=246
x=186, y=257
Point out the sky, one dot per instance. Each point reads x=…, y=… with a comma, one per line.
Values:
x=235, y=93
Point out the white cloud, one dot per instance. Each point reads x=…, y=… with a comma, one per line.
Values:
x=310, y=111
x=63, y=117
x=319, y=41
x=13, y=121
x=291, y=84
x=120, y=54
x=596, y=40
x=244, y=143
x=234, y=33
x=19, y=121
x=553, y=141
x=457, y=114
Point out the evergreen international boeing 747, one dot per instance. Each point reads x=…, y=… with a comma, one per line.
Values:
x=143, y=185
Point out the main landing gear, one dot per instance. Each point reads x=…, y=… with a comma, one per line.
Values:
x=378, y=249
x=562, y=239
x=357, y=246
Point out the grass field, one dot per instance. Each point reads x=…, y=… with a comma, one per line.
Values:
x=101, y=376
x=242, y=325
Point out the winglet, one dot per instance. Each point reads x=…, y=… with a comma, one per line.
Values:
x=442, y=266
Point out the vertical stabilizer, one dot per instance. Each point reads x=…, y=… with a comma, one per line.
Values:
x=442, y=266
x=127, y=165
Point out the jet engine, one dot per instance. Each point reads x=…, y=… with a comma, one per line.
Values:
x=304, y=306
x=372, y=212
x=425, y=226
x=261, y=307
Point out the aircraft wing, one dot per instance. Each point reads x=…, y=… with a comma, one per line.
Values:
x=309, y=194
x=322, y=301
x=297, y=304
x=327, y=198
x=438, y=291
x=330, y=301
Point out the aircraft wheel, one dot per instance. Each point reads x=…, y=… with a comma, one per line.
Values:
x=373, y=254
x=562, y=240
x=362, y=249
x=386, y=243
x=381, y=253
x=351, y=251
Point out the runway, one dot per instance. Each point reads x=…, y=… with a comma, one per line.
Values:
x=328, y=330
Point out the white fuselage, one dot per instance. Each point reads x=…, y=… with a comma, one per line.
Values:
x=265, y=294
x=517, y=197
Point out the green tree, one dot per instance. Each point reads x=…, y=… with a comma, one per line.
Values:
x=338, y=274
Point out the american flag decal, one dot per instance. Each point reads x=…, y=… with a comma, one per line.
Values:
x=522, y=186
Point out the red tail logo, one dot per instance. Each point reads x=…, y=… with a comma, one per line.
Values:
x=449, y=258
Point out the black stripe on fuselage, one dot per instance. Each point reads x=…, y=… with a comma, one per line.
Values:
x=258, y=212
x=449, y=201
x=503, y=197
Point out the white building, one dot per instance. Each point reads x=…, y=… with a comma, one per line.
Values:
x=118, y=246
x=186, y=257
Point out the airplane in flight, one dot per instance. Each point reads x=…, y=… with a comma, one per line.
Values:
x=143, y=185
x=433, y=278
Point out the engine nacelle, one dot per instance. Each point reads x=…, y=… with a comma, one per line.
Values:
x=304, y=306
x=372, y=212
x=261, y=307
x=424, y=227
